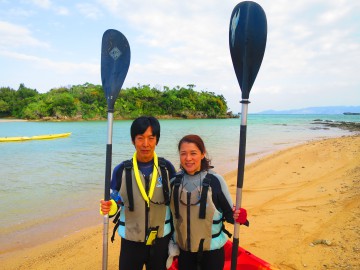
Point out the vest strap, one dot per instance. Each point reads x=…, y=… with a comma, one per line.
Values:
x=128, y=166
x=146, y=197
x=223, y=229
x=177, y=183
x=226, y=231
x=165, y=180
x=217, y=221
x=117, y=223
x=167, y=221
x=203, y=198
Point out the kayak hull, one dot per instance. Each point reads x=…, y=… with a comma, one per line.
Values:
x=37, y=137
x=245, y=260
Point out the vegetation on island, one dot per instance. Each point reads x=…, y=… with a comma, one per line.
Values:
x=88, y=102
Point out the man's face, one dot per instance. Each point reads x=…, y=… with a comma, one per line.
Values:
x=145, y=145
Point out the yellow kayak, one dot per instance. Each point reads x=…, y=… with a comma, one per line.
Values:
x=38, y=137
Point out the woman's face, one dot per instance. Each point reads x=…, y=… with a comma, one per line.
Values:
x=190, y=157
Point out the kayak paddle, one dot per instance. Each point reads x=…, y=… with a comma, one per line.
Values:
x=247, y=40
x=115, y=62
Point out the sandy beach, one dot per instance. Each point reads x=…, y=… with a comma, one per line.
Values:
x=6, y=120
x=303, y=205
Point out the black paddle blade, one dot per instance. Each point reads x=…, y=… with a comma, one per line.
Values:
x=247, y=40
x=115, y=62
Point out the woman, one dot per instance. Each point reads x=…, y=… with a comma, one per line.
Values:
x=200, y=202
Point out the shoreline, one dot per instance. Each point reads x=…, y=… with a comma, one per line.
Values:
x=5, y=120
x=303, y=206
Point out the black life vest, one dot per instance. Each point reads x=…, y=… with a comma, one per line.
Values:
x=203, y=197
x=128, y=166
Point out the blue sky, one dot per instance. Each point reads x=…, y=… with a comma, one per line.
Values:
x=312, y=56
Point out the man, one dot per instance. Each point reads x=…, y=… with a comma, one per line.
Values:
x=140, y=189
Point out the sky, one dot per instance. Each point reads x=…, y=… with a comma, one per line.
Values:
x=312, y=54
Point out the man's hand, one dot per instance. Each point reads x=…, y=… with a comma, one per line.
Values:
x=105, y=207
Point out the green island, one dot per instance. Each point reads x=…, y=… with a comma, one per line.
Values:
x=87, y=102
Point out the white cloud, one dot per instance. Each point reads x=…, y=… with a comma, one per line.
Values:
x=62, y=11
x=89, y=10
x=335, y=11
x=59, y=67
x=13, y=36
x=49, y=5
x=46, y=4
x=113, y=6
x=20, y=12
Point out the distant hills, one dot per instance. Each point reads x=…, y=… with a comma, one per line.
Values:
x=317, y=110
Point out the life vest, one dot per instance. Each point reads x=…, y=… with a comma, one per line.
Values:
x=135, y=217
x=197, y=222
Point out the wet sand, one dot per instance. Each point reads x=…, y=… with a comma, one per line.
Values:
x=303, y=205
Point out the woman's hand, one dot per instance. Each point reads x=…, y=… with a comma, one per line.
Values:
x=240, y=216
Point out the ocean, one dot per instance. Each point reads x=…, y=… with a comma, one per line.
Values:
x=51, y=188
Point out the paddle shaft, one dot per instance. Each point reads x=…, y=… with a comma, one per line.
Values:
x=107, y=188
x=241, y=161
x=240, y=180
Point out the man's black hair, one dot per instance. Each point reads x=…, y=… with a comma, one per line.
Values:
x=141, y=124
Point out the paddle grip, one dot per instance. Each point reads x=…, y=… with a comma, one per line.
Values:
x=108, y=171
x=241, y=160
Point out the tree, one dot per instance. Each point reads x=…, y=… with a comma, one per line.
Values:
x=22, y=98
x=7, y=98
x=36, y=110
x=88, y=101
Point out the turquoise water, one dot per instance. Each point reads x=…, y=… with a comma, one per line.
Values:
x=49, y=188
